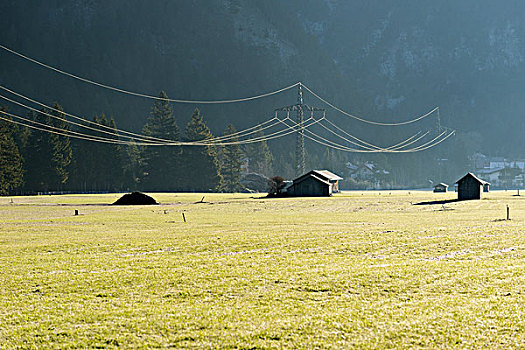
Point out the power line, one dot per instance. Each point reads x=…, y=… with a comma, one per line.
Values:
x=412, y=139
x=365, y=145
x=70, y=133
x=368, y=145
x=137, y=136
x=116, y=131
x=300, y=127
x=332, y=144
x=350, y=135
x=245, y=99
x=369, y=121
x=306, y=125
x=432, y=143
x=213, y=141
x=252, y=130
x=49, y=129
x=127, y=92
x=409, y=141
x=69, y=121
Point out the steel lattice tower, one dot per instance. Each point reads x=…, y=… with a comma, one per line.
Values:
x=299, y=143
x=300, y=108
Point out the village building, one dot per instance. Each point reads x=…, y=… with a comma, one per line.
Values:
x=491, y=174
x=364, y=171
x=315, y=183
x=440, y=188
x=370, y=174
x=499, y=171
x=470, y=187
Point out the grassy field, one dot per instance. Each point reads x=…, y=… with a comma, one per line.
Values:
x=358, y=270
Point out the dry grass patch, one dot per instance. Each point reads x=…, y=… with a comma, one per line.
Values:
x=360, y=269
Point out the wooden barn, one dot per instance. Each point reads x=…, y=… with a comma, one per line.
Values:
x=439, y=188
x=470, y=187
x=316, y=183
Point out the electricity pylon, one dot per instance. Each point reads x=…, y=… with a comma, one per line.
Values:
x=299, y=108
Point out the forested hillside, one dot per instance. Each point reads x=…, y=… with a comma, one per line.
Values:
x=386, y=61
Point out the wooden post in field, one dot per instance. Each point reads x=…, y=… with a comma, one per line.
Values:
x=76, y=212
x=508, y=212
x=183, y=217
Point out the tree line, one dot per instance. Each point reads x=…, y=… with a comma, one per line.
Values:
x=35, y=161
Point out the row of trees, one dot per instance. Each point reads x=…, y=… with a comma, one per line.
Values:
x=33, y=160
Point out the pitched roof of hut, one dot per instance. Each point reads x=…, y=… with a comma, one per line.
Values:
x=481, y=182
x=310, y=174
x=327, y=174
x=323, y=175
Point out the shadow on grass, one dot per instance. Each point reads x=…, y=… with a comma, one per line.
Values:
x=443, y=202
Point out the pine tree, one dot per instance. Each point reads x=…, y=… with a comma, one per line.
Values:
x=98, y=166
x=11, y=169
x=162, y=163
x=48, y=155
x=200, y=163
x=61, y=149
x=260, y=159
x=37, y=154
x=111, y=174
x=133, y=166
x=231, y=162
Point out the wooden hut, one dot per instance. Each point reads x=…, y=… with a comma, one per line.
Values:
x=315, y=183
x=332, y=178
x=470, y=187
x=441, y=187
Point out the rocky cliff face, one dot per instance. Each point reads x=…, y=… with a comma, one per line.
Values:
x=467, y=57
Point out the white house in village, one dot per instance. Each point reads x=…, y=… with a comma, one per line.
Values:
x=499, y=171
x=364, y=171
x=369, y=172
x=491, y=175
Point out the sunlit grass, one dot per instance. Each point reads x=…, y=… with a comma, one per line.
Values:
x=360, y=269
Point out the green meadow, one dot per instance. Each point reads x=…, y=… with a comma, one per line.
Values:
x=365, y=270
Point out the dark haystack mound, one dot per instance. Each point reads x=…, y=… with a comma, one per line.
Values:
x=135, y=198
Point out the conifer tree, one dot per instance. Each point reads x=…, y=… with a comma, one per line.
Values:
x=133, y=166
x=162, y=163
x=48, y=155
x=11, y=169
x=231, y=162
x=260, y=159
x=61, y=149
x=98, y=166
x=37, y=154
x=111, y=176
x=200, y=163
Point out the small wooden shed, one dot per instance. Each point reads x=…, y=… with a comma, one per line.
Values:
x=330, y=177
x=441, y=187
x=315, y=183
x=470, y=187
